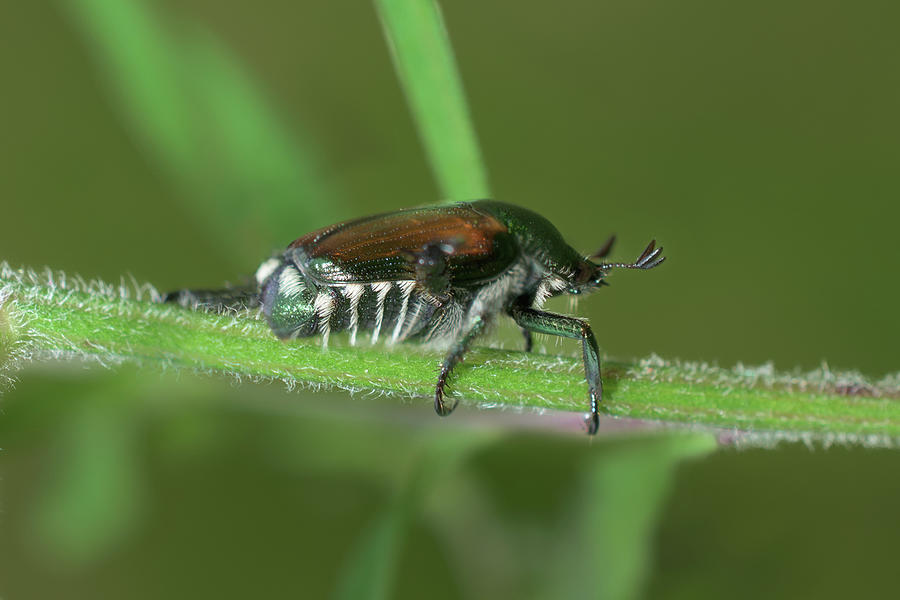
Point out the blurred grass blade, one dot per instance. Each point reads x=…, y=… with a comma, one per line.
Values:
x=272, y=178
x=208, y=126
x=371, y=569
x=607, y=554
x=140, y=62
x=93, y=500
x=424, y=60
x=371, y=566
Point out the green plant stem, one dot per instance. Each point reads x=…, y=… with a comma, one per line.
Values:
x=424, y=61
x=50, y=316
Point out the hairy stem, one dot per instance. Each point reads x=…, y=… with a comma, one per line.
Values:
x=50, y=316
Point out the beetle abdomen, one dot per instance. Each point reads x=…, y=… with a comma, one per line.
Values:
x=298, y=307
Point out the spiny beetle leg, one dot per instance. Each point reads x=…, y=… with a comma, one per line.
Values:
x=571, y=327
x=453, y=357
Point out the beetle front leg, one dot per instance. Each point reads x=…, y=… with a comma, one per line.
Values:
x=460, y=346
x=539, y=321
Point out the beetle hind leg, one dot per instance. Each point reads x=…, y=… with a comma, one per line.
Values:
x=539, y=321
x=460, y=346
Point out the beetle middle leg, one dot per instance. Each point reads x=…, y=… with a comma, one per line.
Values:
x=451, y=360
x=540, y=321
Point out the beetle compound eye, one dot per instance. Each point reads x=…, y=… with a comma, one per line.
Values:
x=585, y=273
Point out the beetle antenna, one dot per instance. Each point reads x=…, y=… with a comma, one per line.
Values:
x=649, y=258
x=605, y=249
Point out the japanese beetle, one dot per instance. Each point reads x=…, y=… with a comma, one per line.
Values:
x=438, y=275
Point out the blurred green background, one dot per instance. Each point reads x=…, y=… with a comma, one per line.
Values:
x=758, y=142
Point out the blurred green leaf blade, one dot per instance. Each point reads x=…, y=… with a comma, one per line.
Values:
x=427, y=70
x=209, y=127
x=370, y=571
x=607, y=551
x=140, y=63
x=93, y=501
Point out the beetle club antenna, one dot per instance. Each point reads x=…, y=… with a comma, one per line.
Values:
x=649, y=258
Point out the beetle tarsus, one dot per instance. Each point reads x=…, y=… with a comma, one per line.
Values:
x=440, y=407
x=592, y=419
x=592, y=423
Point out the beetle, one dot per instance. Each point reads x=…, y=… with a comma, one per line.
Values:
x=439, y=275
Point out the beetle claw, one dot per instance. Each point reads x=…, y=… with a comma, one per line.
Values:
x=592, y=423
x=440, y=407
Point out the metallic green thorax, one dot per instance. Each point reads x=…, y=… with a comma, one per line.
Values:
x=535, y=235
